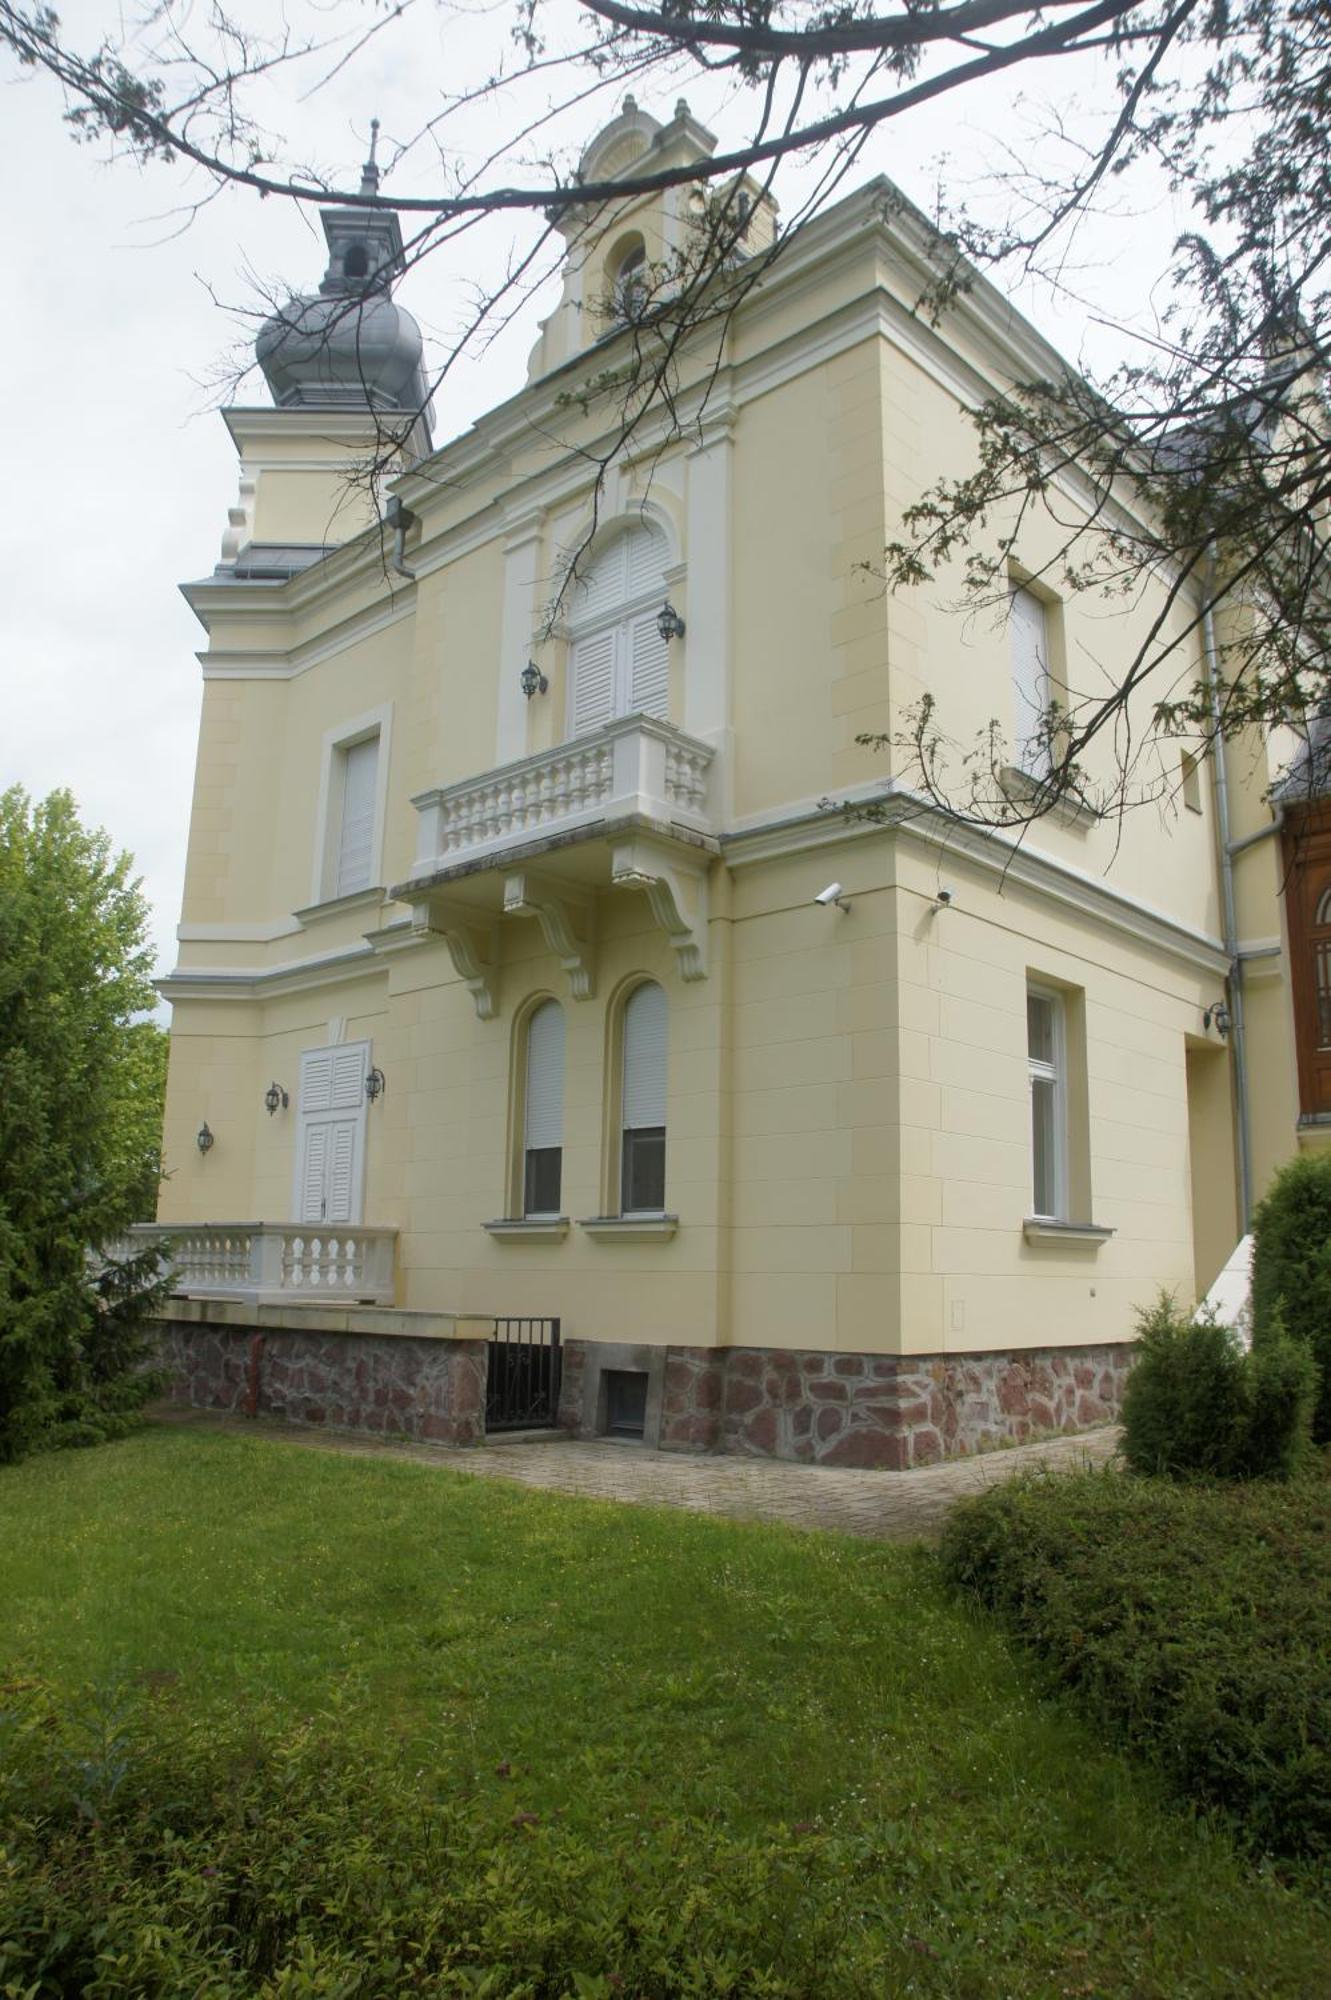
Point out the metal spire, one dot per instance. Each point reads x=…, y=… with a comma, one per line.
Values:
x=369, y=178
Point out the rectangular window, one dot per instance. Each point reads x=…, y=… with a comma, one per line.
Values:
x=541, y=1181
x=644, y=1169
x=359, y=785
x=1032, y=681
x=1046, y=1061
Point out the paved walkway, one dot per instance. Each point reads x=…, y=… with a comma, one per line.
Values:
x=894, y=1506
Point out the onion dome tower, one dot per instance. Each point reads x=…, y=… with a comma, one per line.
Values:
x=348, y=346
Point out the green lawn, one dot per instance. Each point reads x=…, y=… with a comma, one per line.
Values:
x=765, y=1735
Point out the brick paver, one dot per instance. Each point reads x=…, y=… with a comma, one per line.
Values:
x=895, y=1506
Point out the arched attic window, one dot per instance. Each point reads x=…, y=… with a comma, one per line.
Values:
x=620, y=662
x=628, y=280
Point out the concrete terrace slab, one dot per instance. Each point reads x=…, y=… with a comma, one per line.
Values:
x=890, y=1506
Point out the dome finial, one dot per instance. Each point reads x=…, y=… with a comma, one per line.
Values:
x=369, y=174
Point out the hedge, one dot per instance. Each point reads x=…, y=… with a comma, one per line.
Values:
x=1193, y=1623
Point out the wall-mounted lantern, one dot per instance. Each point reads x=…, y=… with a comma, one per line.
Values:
x=1217, y=1017
x=204, y=1139
x=532, y=680
x=275, y=1098
x=669, y=623
x=376, y=1083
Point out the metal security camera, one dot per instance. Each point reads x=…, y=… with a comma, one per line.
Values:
x=832, y=894
x=945, y=895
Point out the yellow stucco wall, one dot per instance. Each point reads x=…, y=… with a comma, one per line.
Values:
x=848, y=1108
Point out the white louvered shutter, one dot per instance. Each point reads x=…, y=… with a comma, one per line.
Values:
x=1030, y=680
x=339, y=1183
x=545, y=1077
x=330, y=1140
x=316, y=1080
x=314, y=1166
x=649, y=667
x=645, y=1058
x=348, y=1080
x=645, y=550
x=355, y=851
x=593, y=681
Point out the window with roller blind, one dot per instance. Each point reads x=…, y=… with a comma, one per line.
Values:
x=619, y=663
x=643, y=1103
x=543, y=1119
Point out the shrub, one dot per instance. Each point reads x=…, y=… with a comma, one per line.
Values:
x=1193, y=1622
x=1197, y=1404
x=1291, y=1269
x=1282, y=1391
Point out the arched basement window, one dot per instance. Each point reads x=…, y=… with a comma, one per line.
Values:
x=543, y=1123
x=620, y=662
x=643, y=1118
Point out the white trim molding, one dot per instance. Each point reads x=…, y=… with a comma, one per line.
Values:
x=629, y=1228
x=1071, y=1235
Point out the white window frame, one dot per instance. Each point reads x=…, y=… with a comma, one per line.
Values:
x=1055, y=1072
x=617, y=622
x=377, y=722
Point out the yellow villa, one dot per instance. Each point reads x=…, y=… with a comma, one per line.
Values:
x=543, y=1050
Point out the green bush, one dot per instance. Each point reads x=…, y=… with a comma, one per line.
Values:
x=1193, y=1622
x=1197, y=1404
x=1291, y=1269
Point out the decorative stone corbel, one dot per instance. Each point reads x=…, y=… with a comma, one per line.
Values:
x=676, y=894
x=240, y=518
x=528, y=895
x=470, y=946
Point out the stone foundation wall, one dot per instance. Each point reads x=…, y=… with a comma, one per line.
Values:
x=867, y=1409
x=390, y=1384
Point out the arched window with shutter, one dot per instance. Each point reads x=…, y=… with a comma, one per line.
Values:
x=643, y=1103
x=620, y=664
x=543, y=1115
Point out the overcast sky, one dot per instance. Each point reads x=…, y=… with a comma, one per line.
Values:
x=120, y=470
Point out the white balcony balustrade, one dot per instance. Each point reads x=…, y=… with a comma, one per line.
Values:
x=276, y=1263
x=632, y=770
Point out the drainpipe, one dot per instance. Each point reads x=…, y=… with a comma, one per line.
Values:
x=1228, y=848
x=399, y=519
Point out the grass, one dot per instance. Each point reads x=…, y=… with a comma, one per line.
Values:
x=651, y=1687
